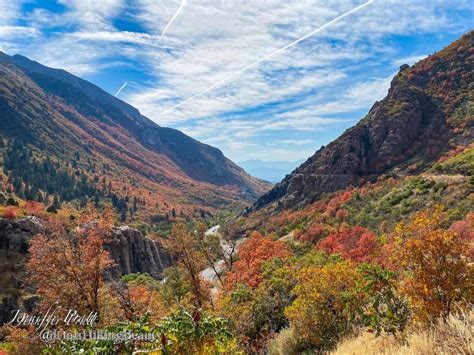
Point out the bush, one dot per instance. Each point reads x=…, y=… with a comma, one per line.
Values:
x=436, y=264
x=10, y=213
x=51, y=209
x=325, y=304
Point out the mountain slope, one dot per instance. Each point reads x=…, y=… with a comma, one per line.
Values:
x=427, y=112
x=89, y=132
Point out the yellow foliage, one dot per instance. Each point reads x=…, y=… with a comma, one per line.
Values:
x=320, y=315
x=435, y=262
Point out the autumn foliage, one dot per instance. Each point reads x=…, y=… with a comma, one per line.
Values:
x=184, y=246
x=252, y=254
x=354, y=243
x=436, y=264
x=67, y=266
x=321, y=312
x=10, y=212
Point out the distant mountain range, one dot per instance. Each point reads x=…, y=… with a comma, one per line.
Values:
x=272, y=171
x=107, y=147
x=428, y=113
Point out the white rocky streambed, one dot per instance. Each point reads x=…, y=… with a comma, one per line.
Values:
x=208, y=273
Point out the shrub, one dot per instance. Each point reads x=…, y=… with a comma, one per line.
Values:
x=325, y=302
x=10, y=212
x=436, y=266
x=252, y=254
x=12, y=202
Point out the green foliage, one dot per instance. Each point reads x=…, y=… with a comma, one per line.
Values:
x=393, y=201
x=141, y=279
x=12, y=202
x=462, y=163
x=175, y=286
x=383, y=309
x=124, y=343
x=183, y=333
x=180, y=333
x=33, y=176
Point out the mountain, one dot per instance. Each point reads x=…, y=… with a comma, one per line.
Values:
x=273, y=171
x=71, y=133
x=427, y=113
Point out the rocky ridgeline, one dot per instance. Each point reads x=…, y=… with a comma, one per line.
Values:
x=131, y=251
x=423, y=116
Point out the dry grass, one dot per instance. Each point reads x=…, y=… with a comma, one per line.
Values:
x=455, y=336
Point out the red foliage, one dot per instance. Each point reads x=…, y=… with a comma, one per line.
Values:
x=10, y=212
x=313, y=233
x=252, y=254
x=465, y=229
x=342, y=214
x=357, y=244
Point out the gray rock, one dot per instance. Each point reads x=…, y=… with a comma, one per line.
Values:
x=15, y=234
x=131, y=251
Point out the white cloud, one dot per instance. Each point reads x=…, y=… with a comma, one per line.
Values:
x=17, y=31
x=9, y=11
x=209, y=40
x=93, y=14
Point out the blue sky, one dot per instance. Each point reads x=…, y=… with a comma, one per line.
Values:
x=285, y=107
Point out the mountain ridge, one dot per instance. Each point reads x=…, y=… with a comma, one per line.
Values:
x=48, y=110
x=418, y=121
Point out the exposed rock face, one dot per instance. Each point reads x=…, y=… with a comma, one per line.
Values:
x=411, y=127
x=130, y=250
x=134, y=253
x=15, y=234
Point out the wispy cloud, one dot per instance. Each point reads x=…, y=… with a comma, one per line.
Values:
x=311, y=92
x=268, y=56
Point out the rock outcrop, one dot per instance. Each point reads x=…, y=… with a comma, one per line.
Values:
x=134, y=253
x=131, y=251
x=425, y=111
x=15, y=234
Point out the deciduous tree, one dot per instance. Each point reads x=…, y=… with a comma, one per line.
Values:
x=67, y=266
x=252, y=254
x=438, y=272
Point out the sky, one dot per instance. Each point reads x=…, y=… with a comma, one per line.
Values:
x=206, y=67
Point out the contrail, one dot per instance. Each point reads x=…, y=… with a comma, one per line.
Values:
x=174, y=17
x=270, y=55
x=121, y=88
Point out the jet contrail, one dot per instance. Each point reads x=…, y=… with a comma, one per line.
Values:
x=121, y=88
x=270, y=55
x=174, y=17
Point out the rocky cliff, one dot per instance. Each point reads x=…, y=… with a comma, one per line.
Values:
x=427, y=112
x=134, y=253
x=131, y=251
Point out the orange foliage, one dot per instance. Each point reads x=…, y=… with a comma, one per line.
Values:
x=183, y=245
x=68, y=268
x=342, y=214
x=10, y=212
x=440, y=274
x=33, y=208
x=144, y=301
x=252, y=254
x=313, y=233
